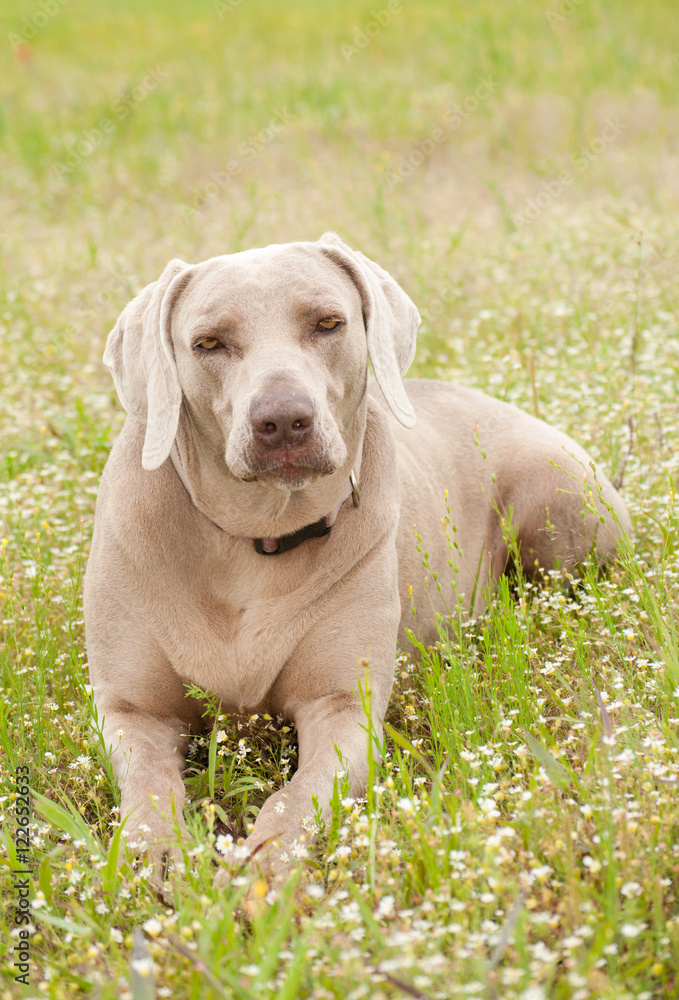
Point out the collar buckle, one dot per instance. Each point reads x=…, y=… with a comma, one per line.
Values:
x=355, y=495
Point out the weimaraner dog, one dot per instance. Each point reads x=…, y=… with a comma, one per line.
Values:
x=254, y=531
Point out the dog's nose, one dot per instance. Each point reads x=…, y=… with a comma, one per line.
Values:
x=279, y=420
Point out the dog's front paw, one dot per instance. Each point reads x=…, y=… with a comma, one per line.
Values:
x=154, y=840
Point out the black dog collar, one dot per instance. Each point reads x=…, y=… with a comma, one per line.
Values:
x=287, y=542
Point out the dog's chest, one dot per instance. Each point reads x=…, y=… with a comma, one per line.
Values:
x=234, y=644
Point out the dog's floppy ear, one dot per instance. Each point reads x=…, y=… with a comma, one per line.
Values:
x=391, y=322
x=140, y=354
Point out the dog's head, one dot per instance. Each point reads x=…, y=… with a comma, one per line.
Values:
x=267, y=350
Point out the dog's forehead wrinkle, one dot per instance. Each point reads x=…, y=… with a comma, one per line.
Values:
x=276, y=273
x=217, y=319
x=321, y=302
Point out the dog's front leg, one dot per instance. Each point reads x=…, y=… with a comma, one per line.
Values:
x=148, y=757
x=332, y=733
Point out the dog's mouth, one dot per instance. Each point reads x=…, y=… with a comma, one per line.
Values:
x=289, y=469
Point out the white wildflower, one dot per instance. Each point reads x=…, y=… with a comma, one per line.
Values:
x=630, y=889
x=143, y=966
x=224, y=842
x=406, y=805
x=385, y=907
x=299, y=850
x=591, y=863
x=631, y=930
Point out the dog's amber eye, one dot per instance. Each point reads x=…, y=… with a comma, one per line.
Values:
x=328, y=324
x=208, y=344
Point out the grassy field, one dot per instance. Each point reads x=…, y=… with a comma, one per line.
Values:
x=516, y=167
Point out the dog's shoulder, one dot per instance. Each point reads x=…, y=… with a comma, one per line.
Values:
x=135, y=504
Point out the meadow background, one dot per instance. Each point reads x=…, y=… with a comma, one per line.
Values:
x=520, y=838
